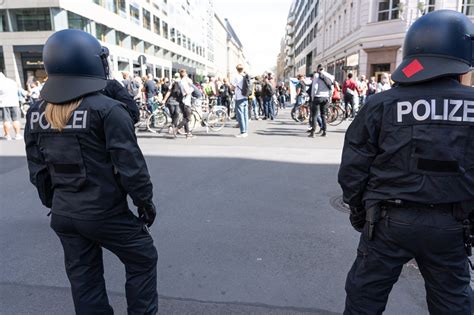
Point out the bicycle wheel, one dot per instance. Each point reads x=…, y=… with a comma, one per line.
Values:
x=295, y=113
x=157, y=121
x=341, y=116
x=192, y=121
x=275, y=109
x=332, y=115
x=216, y=119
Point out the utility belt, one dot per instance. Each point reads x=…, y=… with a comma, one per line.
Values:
x=462, y=211
x=397, y=203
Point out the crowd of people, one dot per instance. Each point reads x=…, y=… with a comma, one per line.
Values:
x=14, y=102
x=265, y=95
x=323, y=88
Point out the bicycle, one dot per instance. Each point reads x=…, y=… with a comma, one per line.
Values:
x=152, y=121
x=214, y=119
x=276, y=105
x=300, y=113
x=339, y=112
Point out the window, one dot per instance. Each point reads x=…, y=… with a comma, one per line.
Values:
x=30, y=20
x=173, y=34
x=135, y=14
x=430, y=6
x=120, y=39
x=388, y=10
x=146, y=19
x=122, y=5
x=3, y=21
x=78, y=22
x=156, y=25
x=468, y=7
x=165, y=29
x=101, y=31
x=138, y=45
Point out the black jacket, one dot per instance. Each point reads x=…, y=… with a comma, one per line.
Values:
x=116, y=91
x=93, y=163
x=414, y=143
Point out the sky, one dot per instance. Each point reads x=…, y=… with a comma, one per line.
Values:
x=260, y=26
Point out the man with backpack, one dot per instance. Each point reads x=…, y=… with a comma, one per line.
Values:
x=321, y=91
x=258, y=104
x=242, y=88
x=267, y=91
x=132, y=87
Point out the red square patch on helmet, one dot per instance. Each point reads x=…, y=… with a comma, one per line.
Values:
x=413, y=68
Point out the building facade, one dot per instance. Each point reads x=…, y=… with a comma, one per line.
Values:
x=358, y=36
x=170, y=34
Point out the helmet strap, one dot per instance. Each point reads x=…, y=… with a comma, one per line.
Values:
x=104, y=54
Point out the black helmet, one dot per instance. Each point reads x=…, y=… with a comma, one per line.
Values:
x=438, y=44
x=76, y=65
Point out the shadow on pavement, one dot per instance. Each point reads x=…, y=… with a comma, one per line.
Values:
x=234, y=236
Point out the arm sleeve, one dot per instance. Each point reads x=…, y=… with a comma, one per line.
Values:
x=360, y=150
x=34, y=158
x=126, y=156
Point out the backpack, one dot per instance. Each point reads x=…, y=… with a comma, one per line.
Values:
x=196, y=93
x=176, y=94
x=208, y=90
x=224, y=90
x=133, y=88
x=246, y=86
x=267, y=89
x=258, y=89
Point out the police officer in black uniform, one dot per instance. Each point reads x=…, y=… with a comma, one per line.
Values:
x=407, y=172
x=84, y=159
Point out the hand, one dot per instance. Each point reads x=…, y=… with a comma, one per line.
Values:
x=357, y=218
x=147, y=213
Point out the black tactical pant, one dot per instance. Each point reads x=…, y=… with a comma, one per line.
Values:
x=125, y=236
x=434, y=238
x=318, y=109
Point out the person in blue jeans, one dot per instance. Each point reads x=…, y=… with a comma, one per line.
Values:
x=241, y=102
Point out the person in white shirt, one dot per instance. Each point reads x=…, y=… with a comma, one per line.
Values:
x=384, y=83
x=241, y=101
x=9, y=107
x=187, y=88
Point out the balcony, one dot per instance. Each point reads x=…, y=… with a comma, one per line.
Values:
x=291, y=52
x=290, y=30
x=291, y=20
x=290, y=41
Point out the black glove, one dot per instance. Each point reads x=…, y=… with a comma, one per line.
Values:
x=147, y=213
x=357, y=218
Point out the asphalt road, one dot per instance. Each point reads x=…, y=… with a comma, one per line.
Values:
x=245, y=226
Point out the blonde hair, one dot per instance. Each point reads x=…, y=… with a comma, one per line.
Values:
x=58, y=115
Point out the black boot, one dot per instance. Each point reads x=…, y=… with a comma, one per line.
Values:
x=311, y=135
x=319, y=132
x=323, y=134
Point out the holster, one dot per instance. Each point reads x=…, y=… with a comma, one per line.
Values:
x=44, y=186
x=372, y=216
x=464, y=212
